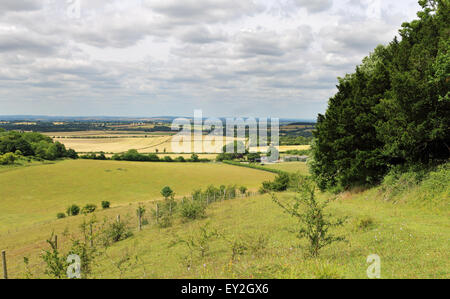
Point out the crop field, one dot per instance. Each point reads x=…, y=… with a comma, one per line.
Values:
x=119, y=142
x=30, y=195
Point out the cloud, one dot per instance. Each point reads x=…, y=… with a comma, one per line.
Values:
x=209, y=11
x=314, y=6
x=19, y=6
x=227, y=57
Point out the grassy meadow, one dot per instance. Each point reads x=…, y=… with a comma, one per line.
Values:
x=294, y=167
x=33, y=194
x=412, y=242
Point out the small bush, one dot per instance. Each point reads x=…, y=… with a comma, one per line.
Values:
x=61, y=215
x=192, y=209
x=106, y=205
x=314, y=222
x=115, y=231
x=88, y=209
x=363, y=223
x=73, y=210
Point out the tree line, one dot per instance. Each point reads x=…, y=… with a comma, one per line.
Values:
x=15, y=144
x=393, y=112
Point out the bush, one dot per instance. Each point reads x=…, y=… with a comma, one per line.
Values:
x=106, y=205
x=180, y=159
x=363, y=223
x=192, y=209
x=314, y=223
x=61, y=215
x=7, y=159
x=88, y=209
x=115, y=231
x=73, y=210
x=280, y=184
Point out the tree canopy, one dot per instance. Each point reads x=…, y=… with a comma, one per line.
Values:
x=393, y=111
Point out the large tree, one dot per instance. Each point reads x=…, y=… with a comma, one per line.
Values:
x=393, y=110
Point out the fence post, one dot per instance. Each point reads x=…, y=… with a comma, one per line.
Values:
x=56, y=241
x=157, y=213
x=92, y=235
x=118, y=218
x=140, y=221
x=5, y=271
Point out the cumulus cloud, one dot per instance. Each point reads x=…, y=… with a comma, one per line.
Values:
x=315, y=6
x=227, y=57
x=23, y=5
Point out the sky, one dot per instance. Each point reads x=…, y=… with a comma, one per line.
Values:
x=258, y=58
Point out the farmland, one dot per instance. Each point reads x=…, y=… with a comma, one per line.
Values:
x=411, y=241
x=40, y=192
x=294, y=167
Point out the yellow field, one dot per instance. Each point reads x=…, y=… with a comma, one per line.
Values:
x=119, y=142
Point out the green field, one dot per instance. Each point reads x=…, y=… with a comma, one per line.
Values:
x=410, y=230
x=294, y=167
x=30, y=195
x=412, y=243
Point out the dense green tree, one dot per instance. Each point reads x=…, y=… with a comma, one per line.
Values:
x=394, y=110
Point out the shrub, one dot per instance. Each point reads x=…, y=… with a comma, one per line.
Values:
x=88, y=209
x=363, y=223
x=167, y=192
x=168, y=159
x=192, y=209
x=114, y=232
x=61, y=215
x=106, y=204
x=314, y=223
x=180, y=159
x=7, y=159
x=243, y=190
x=280, y=184
x=73, y=210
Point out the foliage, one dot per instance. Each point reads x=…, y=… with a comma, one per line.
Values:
x=88, y=209
x=33, y=144
x=7, y=159
x=393, y=111
x=314, y=224
x=280, y=184
x=61, y=215
x=197, y=243
x=85, y=248
x=55, y=263
x=73, y=210
x=167, y=192
x=192, y=209
x=115, y=231
x=106, y=204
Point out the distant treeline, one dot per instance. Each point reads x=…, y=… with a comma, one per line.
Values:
x=394, y=111
x=33, y=145
x=40, y=126
x=134, y=155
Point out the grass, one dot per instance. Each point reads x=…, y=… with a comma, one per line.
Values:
x=411, y=239
x=33, y=194
x=293, y=167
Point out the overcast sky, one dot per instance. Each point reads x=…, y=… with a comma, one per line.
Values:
x=260, y=58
